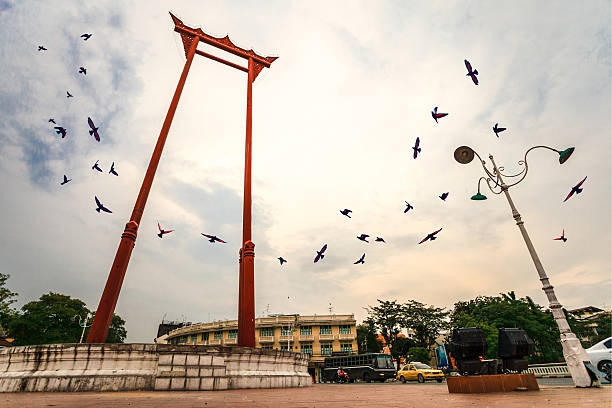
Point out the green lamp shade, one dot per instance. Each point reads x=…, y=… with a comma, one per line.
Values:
x=564, y=155
x=478, y=197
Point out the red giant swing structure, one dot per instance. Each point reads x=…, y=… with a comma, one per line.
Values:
x=246, y=292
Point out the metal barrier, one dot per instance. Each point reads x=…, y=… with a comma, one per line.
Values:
x=553, y=370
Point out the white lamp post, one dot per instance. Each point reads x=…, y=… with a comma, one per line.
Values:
x=83, y=324
x=574, y=354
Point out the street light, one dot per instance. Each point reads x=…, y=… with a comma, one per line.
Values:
x=83, y=324
x=575, y=356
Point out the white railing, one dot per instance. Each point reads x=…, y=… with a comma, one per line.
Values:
x=326, y=337
x=266, y=339
x=549, y=370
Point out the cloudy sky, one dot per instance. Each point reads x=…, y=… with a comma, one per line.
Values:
x=334, y=120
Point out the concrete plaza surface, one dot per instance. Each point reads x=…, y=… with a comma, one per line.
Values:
x=320, y=395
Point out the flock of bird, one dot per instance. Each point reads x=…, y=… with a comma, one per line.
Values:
x=320, y=254
x=94, y=132
x=473, y=74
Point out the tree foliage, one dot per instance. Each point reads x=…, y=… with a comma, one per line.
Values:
x=367, y=340
x=7, y=298
x=387, y=318
x=493, y=312
x=424, y=322
x=51, y=320
x=418, y=354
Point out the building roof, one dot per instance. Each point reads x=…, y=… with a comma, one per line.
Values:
x=294, y=320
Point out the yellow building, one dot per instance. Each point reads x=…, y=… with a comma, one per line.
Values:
x=317, y=335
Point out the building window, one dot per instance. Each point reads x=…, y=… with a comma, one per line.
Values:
x=266, y=332
x=266, y=347
x=218, y=335
x=345, y=329
x=285, y=331
x=184, y=339
x=204, y=336
x=193, y=338
x=325, y=330
x=232, y=334
x=284, y=347
x=326, y=349
x=306, y=349
x=306, y=331
x=346, y=348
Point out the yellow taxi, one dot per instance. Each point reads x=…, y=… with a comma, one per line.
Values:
x=419, y=372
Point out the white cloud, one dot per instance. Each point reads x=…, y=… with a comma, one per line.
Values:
x=334, y=121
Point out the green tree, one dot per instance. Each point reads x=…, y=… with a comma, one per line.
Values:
x=51, y=320
x=493, y=312
x=424, y=322
x=116, y=331
x=387, y=318
x=418, y=354
x=367, y=341
x=7, y=298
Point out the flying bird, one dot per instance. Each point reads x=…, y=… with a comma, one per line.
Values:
x=561, y=238
x=66, y=180
x=96, y=167
x=282, y=261
x=320, y=254
x=360, y=260
x=430, y=236
x=416, y=148
x=41, y=48
x=82, y=70
x=69, y=95
x=346, y=212
x=443, y=196
x=363, y=237
x=112, y=170
x=52, y=121
x=436, y=115
x=379, y=239
x=471, y=73
x=576, y=189
x=408, y=207
x=162, y=231
x=101, y=207
x=213, y=238
x=498, y=129
x=60, y=131
x=85, y=37
x=94, y=130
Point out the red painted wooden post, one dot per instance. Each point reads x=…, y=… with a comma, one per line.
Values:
x=106, y=308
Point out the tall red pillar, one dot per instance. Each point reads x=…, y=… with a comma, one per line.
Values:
x=246, y=294
x=106, y=307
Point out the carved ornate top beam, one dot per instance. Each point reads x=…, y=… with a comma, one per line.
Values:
x=224, y=43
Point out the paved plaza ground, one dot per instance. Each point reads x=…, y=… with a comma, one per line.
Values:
x=392, y=394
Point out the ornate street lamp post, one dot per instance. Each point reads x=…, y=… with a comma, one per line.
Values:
x=574, y=354
x=83, y=324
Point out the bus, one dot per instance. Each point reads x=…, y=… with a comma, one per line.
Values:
x=365, y=367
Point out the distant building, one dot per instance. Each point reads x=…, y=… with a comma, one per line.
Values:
x=166, y=327
x=589, y=316
x=318, y=335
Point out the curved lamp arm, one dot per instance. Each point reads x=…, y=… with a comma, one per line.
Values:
x=488, y=180
x=524, y=162
x=492, y=176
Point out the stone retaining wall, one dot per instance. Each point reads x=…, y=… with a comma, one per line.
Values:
x=126, y=367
